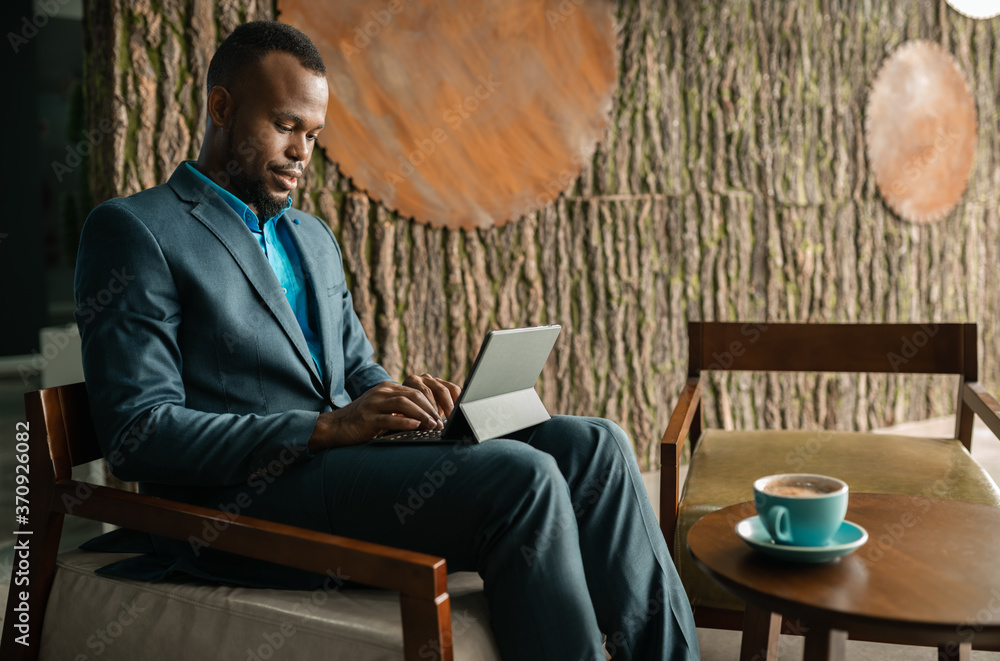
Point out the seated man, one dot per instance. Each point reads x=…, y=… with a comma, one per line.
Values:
x=225, y=364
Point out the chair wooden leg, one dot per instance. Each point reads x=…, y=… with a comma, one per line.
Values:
x=760, y=635
x=825, y=645
x=953, y=652
x=965, y=418
x=427, y=630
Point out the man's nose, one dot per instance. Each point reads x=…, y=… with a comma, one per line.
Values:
x=299, y=147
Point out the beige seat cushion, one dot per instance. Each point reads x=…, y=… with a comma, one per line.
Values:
x=725, y=464
x=98, y=617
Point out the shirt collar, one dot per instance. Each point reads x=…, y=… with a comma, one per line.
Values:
x=235, y=203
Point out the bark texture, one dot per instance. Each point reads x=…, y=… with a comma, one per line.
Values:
x=731, y=185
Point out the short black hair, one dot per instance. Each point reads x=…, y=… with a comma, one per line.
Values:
x=250, y=42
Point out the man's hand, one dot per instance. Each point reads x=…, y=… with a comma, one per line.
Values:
x=386, y=407
x=440, y=392
x=417, y=404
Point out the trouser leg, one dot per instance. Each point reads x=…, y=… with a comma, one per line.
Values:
x=559, y=533
x=480, y=507
x=637, y=594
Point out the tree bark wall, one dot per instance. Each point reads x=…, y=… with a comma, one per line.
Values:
x=731, y=185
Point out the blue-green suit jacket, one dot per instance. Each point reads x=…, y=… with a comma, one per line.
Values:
x=197, y=371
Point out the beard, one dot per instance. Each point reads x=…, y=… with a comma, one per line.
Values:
x=265, y=202
x=250, y=182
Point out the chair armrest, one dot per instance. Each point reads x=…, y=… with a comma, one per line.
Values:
x=420, y=579
x=983, y=404
x=670, y=456
x=680, y=419
x=410, y=573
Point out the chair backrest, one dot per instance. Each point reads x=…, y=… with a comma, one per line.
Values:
x=885, y=348
x=900, y=348
x=62, y=413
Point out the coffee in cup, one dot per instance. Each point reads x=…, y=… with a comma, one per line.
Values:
x=801, y=509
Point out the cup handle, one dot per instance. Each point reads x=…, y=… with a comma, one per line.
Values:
x=779, y=524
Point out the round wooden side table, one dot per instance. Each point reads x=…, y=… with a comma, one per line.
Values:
x=928, y=575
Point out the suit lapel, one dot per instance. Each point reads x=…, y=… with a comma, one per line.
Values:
x=316, y=271
x=229, y=228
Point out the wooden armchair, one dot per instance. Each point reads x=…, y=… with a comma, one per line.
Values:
x=725, y=463
x=60, y=436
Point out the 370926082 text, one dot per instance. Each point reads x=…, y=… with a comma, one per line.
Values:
x=21, y=574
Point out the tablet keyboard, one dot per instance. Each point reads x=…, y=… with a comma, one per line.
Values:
x=427, y=435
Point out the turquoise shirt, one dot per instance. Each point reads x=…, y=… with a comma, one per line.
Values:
x=281, y=255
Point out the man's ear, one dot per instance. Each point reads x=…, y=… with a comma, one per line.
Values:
x=220, y=107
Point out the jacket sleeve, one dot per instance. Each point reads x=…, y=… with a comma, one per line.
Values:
x=129, y=314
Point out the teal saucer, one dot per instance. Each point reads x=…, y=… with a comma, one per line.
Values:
x=849, y=538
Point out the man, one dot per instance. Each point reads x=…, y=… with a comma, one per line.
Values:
x=225, y=362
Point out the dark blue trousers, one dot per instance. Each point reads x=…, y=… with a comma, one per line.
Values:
x=555, y=519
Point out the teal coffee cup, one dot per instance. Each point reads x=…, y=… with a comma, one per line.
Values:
x=801, y=509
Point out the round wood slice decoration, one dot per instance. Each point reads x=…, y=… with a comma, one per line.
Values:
x=462, y=113
x=976, y=8
x=920, y=131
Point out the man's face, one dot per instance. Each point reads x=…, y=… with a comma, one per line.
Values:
x=280, y=108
